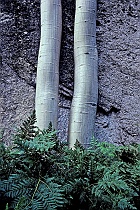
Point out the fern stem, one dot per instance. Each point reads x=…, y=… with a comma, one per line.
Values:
x=46, y=185
x=35, y=189
x=34, y=193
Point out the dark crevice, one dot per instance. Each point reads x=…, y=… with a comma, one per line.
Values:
x=128, y=132
x=98, y=23
x=103, y=111
x=114, y=109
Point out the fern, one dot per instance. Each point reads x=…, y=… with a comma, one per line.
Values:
x=28, y=130
x=40, y=193
x=21, y=203
x=39, y=172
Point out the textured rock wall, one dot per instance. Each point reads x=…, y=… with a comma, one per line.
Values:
x=20, y=30
x=118, y=38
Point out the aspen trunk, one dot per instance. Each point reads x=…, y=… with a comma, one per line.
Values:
x=84, y=103
x=46, y=101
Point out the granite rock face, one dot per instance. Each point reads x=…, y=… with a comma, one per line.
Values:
x=118, y=38
x=20, y=31
x=118, y=42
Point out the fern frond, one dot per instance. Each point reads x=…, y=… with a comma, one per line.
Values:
x=28, y=130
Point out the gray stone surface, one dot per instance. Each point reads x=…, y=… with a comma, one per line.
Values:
x=20, y=31
x=118, y=38
x=118, y=41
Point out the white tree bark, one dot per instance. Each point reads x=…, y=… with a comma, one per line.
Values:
x=84, y=103
x=46, y=101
